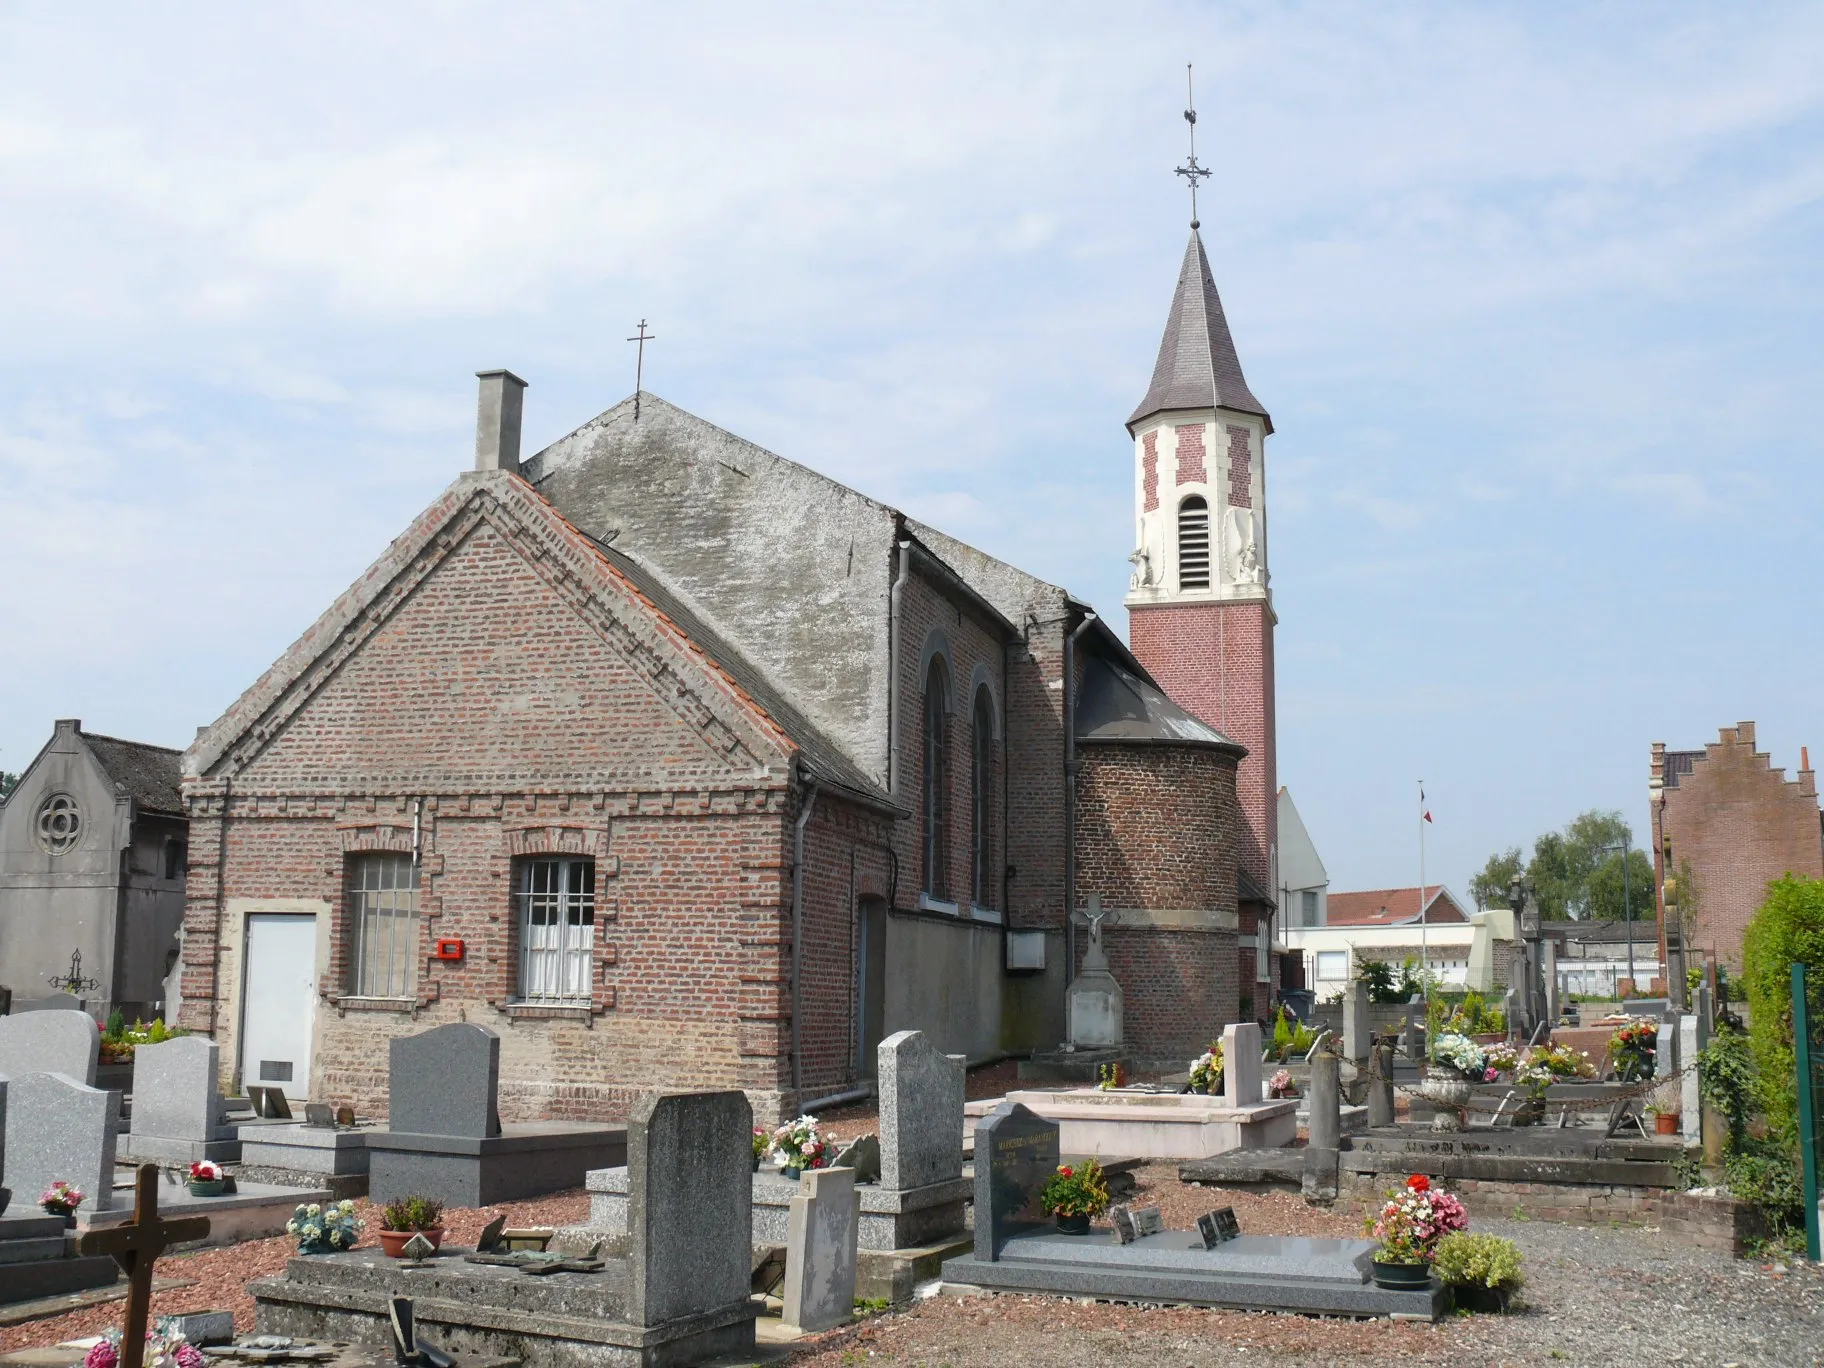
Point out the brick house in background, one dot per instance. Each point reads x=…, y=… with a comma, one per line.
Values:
x=1725, y=825
x=679, y=764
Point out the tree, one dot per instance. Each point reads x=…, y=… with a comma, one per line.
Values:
x=1607, y=887
x=1789, y=928
x=8, y=782
x=1489, y=888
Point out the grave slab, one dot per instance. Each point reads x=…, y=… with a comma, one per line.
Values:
x=522, y=1161
x=36, y=1260
x=252, y=1212
x=1153, y=1125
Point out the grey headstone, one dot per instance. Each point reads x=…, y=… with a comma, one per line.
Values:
x=205, y=1327
x=175, y=1089
x=56, y=1002
x=59, y=1128
x=690, y=1175
x=921, y=1112
x=1241, y=1065
x=1356, y=1033
x=863, y=1155
x=50, y=1041
x=1326, y=1102
x=822, y=1229
x=1380, y=1088
x=1691, y=1041
x=1015, y=1152
x=445, y=1081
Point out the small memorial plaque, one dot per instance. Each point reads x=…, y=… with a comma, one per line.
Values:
x=1123, y=1221
x=1217, y=1226
x=319, y=1114
x=1148, y=1221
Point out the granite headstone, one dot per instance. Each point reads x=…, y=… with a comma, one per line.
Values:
x=445, y=1081
x=822, y=1228
x=50, y=1041
x=1241, y=1065
x=921, y=1112
x=1016, y=1150
x=1691, y=1041
x=57, y=1128
x=1357, y=1036
x=690, y=1204
x=175, y=1090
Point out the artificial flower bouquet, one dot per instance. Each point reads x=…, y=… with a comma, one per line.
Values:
x=1499, y=1059
x=1206, y=1070
x=1281, y=1085
x=1412, y=1221
x=1562, y=1060
x=1072, y=1191
x=166, y=1347
x=61, y=1199
x=799, y=1145
x=325, y=1229
x=1460, y=1053
x=1633, y=1048
x=207, y=1178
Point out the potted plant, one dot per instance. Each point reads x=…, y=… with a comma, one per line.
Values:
x=60, y=1199
x=325, y=1229
x=762, y=1143
x=206, y=1178
x=1665, y=1120
x=1633, y=1048
x=1535, y=1079
x=1481, y=1271
x=1281, y=1085
x=799, y=1145
x=410, y=1216
x=1075, y=1196
x=1409, y=1226
x=1206, y=1071
x=1456, y=1061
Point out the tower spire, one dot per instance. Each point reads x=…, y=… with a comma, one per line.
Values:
x=1191, y=171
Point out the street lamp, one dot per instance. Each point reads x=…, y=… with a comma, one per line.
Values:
x=1627, y=899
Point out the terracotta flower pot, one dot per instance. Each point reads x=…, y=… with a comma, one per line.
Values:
x=1665, y=1123
x=395, y=1241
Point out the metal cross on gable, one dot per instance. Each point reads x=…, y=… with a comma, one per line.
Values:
x=639, y=365
x=136, y=1247
x=1191, y=171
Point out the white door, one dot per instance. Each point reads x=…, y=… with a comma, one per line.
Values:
x=279, y=994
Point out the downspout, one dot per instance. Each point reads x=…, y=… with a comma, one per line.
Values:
x=895, y=616
x=1071, y=765
x=1006, y=786
x=804, y=816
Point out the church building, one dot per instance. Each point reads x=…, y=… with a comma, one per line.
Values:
x=677, y=763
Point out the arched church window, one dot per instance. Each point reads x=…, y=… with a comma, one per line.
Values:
x=937, y=779
x=981, y=799
x=1194, y=543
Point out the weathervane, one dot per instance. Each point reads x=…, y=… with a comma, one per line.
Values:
x=639, y=366
x=1191, y=171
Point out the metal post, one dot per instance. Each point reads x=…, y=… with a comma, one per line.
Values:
x=1627, y=904
x=1808, y=1118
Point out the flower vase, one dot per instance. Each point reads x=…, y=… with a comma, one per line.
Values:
x=1402, y=1277
x=1073, y=1223
x=1450, y=1091
x=207, y=1187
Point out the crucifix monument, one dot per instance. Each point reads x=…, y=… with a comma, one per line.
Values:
x=136, y=1247
x=1093, y=1006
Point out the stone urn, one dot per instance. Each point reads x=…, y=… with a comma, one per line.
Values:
x=1450, y=1091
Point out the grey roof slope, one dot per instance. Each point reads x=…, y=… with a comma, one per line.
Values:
x=1115, y=705
x=149, y=775
x=1197, y=366
x=821, y=756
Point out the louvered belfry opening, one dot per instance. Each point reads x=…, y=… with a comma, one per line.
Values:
x=1194, y=543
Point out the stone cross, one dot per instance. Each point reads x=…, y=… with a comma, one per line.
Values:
x=1095, y=914
x=136, y=1247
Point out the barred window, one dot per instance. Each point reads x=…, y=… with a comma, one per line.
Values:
x=556, y=929
x=383, y=908
x=1194, y=543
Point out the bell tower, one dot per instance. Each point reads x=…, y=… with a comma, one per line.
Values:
x=1200, y=604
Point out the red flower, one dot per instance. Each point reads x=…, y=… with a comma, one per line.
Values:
x=1419, y=1183
x=1064, y=1169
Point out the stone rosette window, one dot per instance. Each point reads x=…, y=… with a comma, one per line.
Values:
x=59, y=824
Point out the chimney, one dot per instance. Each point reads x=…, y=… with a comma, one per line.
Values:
x=503, y=398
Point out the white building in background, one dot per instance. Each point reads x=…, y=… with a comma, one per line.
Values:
x=1465, y=950
x=1304, y=885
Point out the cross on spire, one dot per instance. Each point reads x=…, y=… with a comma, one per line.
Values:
x=639, y=365
x=1191, y=171
x=136, y=1247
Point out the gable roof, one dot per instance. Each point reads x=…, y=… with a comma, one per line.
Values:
x=149, y=775
x=697, y=660
x=1197, y=366
x=1393, y=907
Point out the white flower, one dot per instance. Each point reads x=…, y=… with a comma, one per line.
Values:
x=313, y=1210
x=345, y=1205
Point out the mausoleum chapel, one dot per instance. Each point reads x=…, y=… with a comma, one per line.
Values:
x=677, y=763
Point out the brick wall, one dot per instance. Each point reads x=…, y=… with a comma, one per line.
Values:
x=1739, y=823
x=1215, y=660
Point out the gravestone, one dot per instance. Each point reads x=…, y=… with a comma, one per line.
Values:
x=445, y=1081
x=1093, y=1005
x=820, y=1249
x=50, y=1041
x=1015, y=1152
x=59, y=1128
x=690, y=1204
x=1241, y=1065
x=863, y=1155
x=177, y=1105
x=921, y=1112
x=1666, y=1060
x=1380, y=1088
x=1703, y=1006
x=1692, y=1037
x=1323, y=1152
x=56, y=1002
x=1357, y=1034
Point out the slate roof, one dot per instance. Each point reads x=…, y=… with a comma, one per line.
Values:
x=1197, y=366
x=1116, y=705
x=1392, y=907
x=147, y=774
x=820, y=755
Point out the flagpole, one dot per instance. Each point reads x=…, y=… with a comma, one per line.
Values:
x=1424, y=938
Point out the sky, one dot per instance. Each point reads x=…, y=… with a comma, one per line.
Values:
x=1532, y=293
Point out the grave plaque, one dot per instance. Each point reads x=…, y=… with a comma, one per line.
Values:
x=1123, y=1221
x=1015, y=1152
x=1148, y=1221
x=1218, y=1226
x=319, y=1114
